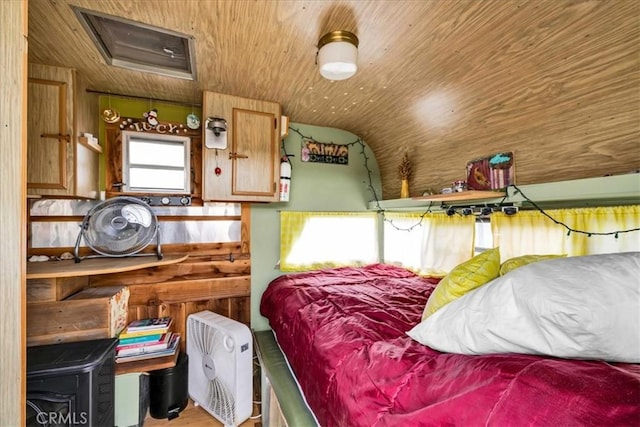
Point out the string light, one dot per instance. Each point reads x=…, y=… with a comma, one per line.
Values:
x=449, y=209
x=569, y=229
x=359, y=142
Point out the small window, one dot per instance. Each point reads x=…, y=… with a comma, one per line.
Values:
x=154, y=163
x=313, y=240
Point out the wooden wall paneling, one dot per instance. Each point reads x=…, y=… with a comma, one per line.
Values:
x=13, y=137
x=189, y=290
x=245, y=228
x=175, y=273
x=207, y=280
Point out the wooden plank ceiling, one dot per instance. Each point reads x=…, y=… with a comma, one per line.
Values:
x=557, y=82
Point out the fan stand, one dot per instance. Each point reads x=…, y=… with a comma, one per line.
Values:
x=77, y=258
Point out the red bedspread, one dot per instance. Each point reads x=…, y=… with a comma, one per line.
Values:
x=344, y=334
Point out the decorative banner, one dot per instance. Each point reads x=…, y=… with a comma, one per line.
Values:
x=151, y=124
x=494, y=172
x=320, y=152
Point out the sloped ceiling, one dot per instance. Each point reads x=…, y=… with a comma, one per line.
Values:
x=557, y=82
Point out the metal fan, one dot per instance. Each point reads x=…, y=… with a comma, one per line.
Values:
x=119, y=227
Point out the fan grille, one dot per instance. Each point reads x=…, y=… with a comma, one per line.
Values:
x=120, y=226
x=210, y=346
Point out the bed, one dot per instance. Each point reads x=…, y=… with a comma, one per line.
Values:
x=344, y=333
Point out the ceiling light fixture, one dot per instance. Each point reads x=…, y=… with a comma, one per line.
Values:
x=338, y=55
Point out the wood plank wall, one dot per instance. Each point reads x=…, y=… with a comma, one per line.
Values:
x=215, y=277
x=13, y=102
x=207, y=280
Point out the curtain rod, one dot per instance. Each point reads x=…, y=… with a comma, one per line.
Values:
x=144, y=98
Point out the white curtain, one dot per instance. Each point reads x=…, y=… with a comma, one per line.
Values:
x=430, y=244
x=532, y=232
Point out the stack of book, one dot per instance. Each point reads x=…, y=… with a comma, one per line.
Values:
x=147, y=339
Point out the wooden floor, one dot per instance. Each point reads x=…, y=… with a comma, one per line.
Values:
x=195, y=416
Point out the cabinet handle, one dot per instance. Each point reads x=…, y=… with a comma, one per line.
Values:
x=56, y=136
x=234, y=156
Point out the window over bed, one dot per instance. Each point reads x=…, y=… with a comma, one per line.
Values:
x=313, y=240
x=434, y=243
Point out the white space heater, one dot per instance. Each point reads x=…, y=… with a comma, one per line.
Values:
x=220, y=354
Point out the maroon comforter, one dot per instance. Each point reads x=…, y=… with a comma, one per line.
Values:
x=344, y=334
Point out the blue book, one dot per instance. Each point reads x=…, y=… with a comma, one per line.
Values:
x=141, y=339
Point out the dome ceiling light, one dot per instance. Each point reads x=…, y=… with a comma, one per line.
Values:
x=338, y=55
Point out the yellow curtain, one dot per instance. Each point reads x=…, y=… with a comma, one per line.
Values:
x=532, y=232
x=291, y=226
x=436, y=246
x=313, y=240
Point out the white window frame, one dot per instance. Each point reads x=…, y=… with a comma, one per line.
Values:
x=127, y=136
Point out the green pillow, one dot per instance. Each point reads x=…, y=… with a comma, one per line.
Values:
x=513, y=263
x=463, y=278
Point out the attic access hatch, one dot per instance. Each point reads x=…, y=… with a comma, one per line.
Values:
x=140, y=47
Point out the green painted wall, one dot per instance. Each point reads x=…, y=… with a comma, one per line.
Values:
x=314, y=187
x=131, y=107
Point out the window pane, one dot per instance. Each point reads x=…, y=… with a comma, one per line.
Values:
x=156, y=179
x=484, y=238
x=143, y=152
x=334, y=241
x=403, y=243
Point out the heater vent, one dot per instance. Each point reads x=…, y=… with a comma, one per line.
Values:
x=140, y=47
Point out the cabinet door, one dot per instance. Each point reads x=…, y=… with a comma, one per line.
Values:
x=48, y=141
x=249, y=166
x=50, y=149
x=252, y=152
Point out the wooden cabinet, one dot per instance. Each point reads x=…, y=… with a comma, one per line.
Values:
x=249, y=166
x=60, y=162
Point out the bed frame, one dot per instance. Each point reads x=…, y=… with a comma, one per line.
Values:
x=282, y=403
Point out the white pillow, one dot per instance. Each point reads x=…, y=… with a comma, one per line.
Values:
x=584, y=307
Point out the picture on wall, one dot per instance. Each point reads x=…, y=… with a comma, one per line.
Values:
x=494, y=172
x=320, y=152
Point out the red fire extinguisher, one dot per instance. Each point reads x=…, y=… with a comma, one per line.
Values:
x=285, y=178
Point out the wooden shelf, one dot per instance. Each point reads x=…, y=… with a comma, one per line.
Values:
x=148, y=364
x=92, y=266
x=598, y=191
x=462, y=195
x=85, y=141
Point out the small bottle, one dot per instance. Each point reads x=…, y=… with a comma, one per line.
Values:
x=460, y=186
